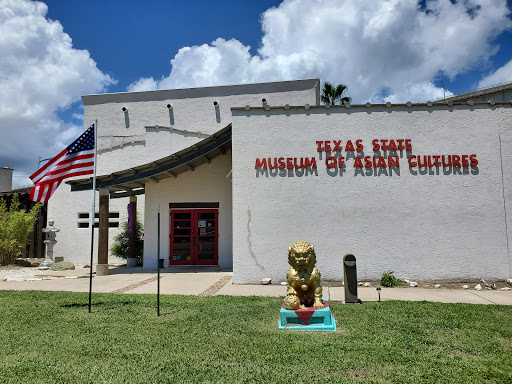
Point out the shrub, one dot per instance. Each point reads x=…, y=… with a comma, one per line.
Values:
x=122, y=241
x=389, y=280
x=22, y=263
x=16, y=224
x=63, y=266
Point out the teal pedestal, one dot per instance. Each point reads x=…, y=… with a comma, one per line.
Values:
x=309, y=319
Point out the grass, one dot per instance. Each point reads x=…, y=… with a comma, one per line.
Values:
x=49, y=337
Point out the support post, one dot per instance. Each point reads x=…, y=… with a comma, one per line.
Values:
x=132, y=242
x=102, y=266
x=39, y=248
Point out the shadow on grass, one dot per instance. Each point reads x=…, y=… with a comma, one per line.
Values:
x=169, y=312
x=101, y=303
x=79, y=305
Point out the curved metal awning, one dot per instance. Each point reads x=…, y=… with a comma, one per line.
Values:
x=132, y=181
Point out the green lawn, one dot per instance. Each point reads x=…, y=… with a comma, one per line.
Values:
x=50, y=337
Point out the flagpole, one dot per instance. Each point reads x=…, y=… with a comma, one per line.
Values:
x=158, y=262
x=93, y=215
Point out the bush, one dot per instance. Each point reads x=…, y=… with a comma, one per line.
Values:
x=22, y=263
x=389, y=280
x=63, y=266
x=16, y=224
x=122, y=241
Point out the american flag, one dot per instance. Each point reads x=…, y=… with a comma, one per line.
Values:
x=75, y=160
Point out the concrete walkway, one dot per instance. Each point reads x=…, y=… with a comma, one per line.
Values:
x=211, y=282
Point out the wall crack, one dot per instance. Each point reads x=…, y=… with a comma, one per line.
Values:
x=249, y=242
x=110, y=143
x=182, y=132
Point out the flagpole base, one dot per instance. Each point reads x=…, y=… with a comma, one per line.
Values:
x=102, y=269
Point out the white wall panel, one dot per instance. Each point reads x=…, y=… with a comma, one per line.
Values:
x=207, y=184
x=424, y=225
x=193, y=111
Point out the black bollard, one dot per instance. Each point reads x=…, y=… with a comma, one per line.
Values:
x=350, y=277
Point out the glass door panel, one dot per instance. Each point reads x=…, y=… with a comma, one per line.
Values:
x=206, y=258
x=207, y=235
x=182, y=223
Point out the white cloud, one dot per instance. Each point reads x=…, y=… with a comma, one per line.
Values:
x=502, y=75
x=383, y=50
x=78, y=116
x=40, y=73
x=143, y=84
x=414, y=91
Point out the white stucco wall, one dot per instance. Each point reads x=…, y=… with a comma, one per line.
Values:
x=5, y=179
x=74, y=243
x=192, y=115
x=423, y=226
x=193, y=111
x=207, y=184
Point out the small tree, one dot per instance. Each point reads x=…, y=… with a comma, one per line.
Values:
x=122, y=243
x=388, y=279
x=16, y=224
x=334, y=93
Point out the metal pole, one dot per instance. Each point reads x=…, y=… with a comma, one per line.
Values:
x=93, y=215
x=158, y=262
x=41, y=160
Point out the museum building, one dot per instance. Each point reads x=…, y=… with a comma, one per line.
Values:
x=239, y=173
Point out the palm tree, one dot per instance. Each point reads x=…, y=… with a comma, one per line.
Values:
x=333, y=93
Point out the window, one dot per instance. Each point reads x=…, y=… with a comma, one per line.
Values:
x=84, y=221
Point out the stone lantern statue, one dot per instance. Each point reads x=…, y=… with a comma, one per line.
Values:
x=51, y=233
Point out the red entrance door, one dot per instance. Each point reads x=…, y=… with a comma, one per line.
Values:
x=194, y=237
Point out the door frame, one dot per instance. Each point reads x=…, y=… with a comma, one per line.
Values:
x=194, y=209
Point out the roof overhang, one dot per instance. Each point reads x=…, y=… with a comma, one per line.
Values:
x=130, y=182
x=505, y=87
x=215, y=91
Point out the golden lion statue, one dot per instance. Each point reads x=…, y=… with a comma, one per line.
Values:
x=304, y=289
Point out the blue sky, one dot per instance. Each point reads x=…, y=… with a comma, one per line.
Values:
x=134, y=38
x=396, y=50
